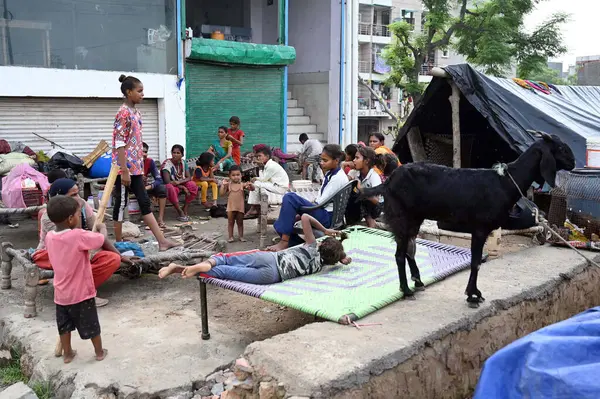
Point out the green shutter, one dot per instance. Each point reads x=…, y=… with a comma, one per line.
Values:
x=215, y=93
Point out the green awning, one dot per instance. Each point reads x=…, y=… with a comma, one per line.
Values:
x=227, y=52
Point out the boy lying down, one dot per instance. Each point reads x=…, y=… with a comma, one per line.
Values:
x=264, y=267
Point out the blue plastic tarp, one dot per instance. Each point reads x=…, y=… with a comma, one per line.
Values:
x=558, y=361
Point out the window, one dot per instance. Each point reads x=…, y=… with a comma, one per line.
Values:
x=445, y=53
x=115, y=35
x=409, y=17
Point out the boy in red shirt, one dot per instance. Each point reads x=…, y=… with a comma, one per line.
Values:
x=236, y=136
x=74, y=290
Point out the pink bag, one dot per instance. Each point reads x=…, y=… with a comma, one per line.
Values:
x=11, y=185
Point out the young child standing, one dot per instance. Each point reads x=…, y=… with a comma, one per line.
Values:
x=204, y=177
x=236, y=136
x=74, y=291
x=128, y=155
x=234, y=188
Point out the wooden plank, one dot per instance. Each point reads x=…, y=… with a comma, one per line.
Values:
x=415, y=144
x=455, y=104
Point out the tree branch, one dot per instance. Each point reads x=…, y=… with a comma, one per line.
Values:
x=445, y=40
x=379, y=99
x=406, y=43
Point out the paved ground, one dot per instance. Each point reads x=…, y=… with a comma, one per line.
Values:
x=151, y=327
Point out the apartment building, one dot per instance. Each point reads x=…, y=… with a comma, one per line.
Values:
x=373, y=36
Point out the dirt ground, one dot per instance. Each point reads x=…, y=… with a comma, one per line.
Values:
x=252, y=318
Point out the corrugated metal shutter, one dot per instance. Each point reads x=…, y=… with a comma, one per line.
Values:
x=215, y=93
x=77, y=124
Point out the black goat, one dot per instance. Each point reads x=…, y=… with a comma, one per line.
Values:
x=478, y=199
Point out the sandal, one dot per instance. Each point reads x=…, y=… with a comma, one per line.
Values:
x=183, y=218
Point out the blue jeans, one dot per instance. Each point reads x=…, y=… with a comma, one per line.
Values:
x=290, y=208
x=257, y=267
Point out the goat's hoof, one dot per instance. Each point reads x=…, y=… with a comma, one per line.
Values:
x=475, y=301
x=419, y=286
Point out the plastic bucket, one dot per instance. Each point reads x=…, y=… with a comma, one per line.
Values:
x=100, y=194
x=133, y=207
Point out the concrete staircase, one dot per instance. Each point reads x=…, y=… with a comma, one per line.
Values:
x=298, y=123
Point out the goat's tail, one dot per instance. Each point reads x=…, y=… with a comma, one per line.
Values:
x=372, y=191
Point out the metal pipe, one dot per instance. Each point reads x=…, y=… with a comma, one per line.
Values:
x=342, y=69
x=285, y=78
x=179, y=42
x=204, y=310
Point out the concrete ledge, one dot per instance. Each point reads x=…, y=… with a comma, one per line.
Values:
x=433, y=347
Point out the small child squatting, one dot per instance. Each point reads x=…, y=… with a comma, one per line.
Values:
x=234, y=188
x=74, y=290
x=264, y=267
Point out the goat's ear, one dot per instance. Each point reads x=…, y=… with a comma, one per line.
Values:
x=548, y=167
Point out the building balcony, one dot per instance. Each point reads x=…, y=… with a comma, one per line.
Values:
x=379, y=34
x=427, y=67
x=380, y=3
x=371, y=108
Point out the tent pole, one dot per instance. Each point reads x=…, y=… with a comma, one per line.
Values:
x=455, y=103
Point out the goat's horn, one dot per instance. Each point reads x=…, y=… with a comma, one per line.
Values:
x=538, y=133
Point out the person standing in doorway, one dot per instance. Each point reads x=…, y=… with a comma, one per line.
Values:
x=128, y=155
x=236, y=136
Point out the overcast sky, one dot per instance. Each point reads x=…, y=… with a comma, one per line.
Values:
x=581, y=34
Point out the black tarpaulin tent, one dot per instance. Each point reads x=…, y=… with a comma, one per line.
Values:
x=496, y=113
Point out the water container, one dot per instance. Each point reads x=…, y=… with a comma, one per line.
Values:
x=100, y=195
x=133, y=207
x=583, y=192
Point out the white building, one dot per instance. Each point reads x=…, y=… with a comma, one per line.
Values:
x=59, y=67
x=374, y=16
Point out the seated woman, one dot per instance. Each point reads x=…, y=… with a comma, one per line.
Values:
x=222, y=150
x=377, y=143
x=292, y=203
x=263, y=267
x=204, y=177
x=364, y=172
x=176, y=177
x=104, y=263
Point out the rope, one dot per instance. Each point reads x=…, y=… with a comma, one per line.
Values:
x=544, y=222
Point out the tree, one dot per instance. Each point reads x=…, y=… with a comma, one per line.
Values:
x=489, y=33
x=548, y=75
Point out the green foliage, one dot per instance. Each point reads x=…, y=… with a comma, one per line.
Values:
x=11, y=374
x=546, y=75
x=43, y=390
x=489, y=33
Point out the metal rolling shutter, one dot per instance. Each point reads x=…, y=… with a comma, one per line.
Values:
x=77, y=124
x=215, y=93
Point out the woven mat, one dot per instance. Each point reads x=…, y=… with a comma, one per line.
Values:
x=369, y=283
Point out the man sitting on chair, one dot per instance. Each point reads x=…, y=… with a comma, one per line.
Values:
x=272, y=179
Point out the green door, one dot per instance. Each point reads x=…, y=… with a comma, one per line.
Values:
x=215, y=93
